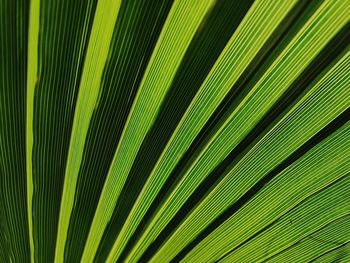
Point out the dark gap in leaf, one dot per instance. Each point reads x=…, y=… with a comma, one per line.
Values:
x=287, y=101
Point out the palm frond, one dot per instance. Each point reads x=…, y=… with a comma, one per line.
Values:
x=174, y=131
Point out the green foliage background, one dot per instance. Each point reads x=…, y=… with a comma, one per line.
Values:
x=174, y=130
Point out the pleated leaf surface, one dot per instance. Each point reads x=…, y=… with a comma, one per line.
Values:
x=174, y=131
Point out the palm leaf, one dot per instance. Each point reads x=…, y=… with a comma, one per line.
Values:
x=175, y=130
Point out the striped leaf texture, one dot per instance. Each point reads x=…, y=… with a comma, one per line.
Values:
x=174, y=131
